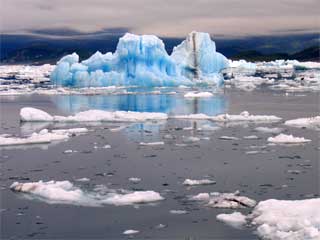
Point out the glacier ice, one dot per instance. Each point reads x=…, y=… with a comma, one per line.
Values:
x=143, y=61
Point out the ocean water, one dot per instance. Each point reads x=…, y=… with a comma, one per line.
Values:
x=161, y=168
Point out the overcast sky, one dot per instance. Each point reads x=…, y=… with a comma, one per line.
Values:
x=166, y=18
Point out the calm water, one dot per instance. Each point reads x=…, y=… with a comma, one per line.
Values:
x=161, y=168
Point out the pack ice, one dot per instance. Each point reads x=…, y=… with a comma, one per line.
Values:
x=143, y=61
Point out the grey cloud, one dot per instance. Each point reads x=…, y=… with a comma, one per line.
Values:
x=172, y=18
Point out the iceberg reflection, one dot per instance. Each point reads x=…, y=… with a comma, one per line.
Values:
x=167, y=103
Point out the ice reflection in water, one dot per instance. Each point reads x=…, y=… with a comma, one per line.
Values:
x=167, y=103
x=173, y=104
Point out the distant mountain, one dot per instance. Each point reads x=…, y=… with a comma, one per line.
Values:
x=308, y=54
x=37, y=49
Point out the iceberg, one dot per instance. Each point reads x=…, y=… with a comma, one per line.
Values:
x=143, y=61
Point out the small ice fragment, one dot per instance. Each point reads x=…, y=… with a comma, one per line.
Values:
x=83, y=179
x=151, y=143
x=178, y=212
x=269, y=130
x=201, y=197
x=68, y=151
x=130, y=232
x=134, y=179
x=224, y=200
x=190, y=182
x=198, y=95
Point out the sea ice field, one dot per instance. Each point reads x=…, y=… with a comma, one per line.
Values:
x=239, y=161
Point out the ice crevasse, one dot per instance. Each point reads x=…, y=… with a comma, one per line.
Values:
x=143, y=61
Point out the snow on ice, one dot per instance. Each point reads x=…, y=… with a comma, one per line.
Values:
x=198, y=95
x=192, y=182
x=312, y=122
x=235, y=219
x=287, y=139
x=65, y=192
x=224, y=200
x=28, y=114
x=44, y=136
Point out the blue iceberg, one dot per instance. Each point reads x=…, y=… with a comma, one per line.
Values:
x=143, y=61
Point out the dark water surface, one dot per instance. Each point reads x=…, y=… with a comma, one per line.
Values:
x=161, y=168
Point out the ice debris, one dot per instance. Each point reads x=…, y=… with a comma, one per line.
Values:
x=44, y=136
x=192, y=182
x=198, y=95
x=312, y=122
x=287, y=139
x=65, y=192
x=224, y=200
x=235, y=219
x=29, y=114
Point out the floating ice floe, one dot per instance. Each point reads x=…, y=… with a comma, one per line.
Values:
x=192, y=182
x=235, y=219
x=151, y=143
x=287, y=139
x=242, y=117
x=287, y=219
x=268, y=130
x=83, y=179
x=32, y=73
x=29, y=114
x=224, y=200
x=312, y=122
x=130, y=232
x=64, y=192
x=134, y=179
x=198, y=95
x=44, y=136
x=248, y=83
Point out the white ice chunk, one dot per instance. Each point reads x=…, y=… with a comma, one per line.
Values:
x=151, y=143
x=312, y=122
x=242, y=117
x=44, y=136
x=83, y=179
x=192, y=182
x=287, y=139
x=33, y=114
x=269, y=130
x=134, y=179
x=224, y=200
x=64, y=192
x=235, y=219
x=198, y=95
x=287, y=219
x=130, y=232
